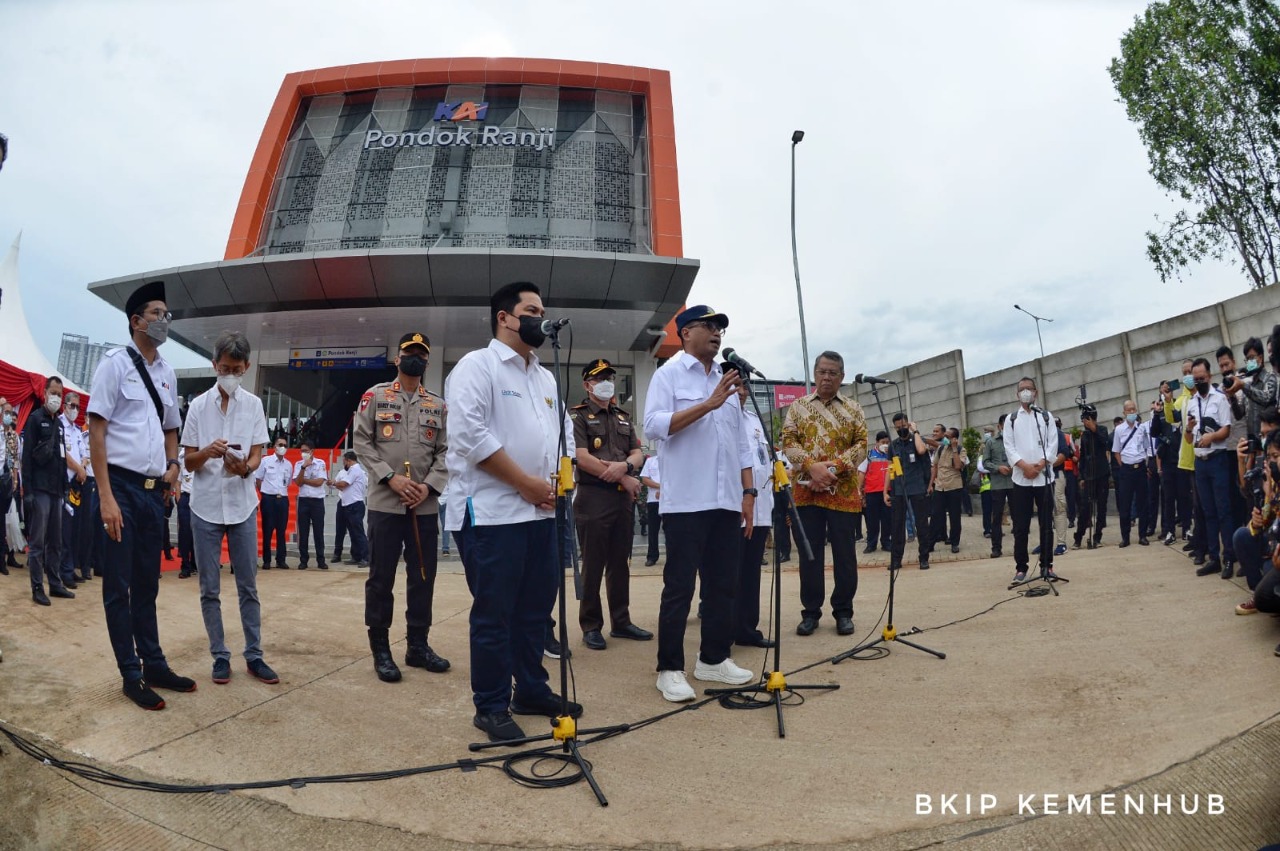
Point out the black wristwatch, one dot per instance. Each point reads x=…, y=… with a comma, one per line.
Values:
x=750, y=492
x=631, y=469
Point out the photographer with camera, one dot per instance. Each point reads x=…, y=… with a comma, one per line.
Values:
x=1094, y=470
x=1207, y=418
x=1255, y=543
x=1258, y=386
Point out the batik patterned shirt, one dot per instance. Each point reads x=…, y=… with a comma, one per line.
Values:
x=834, y=431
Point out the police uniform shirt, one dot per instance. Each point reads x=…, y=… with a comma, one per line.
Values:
x=316, y=469
x=650, y=471
x=393, y=425
x=497, y=401
x=607, y=433
x=702, y=463
x=1027, y=437
x=73, y=443
x=274, y=475
x=761, y=470
x=1132, y=443
x=357, y=484
x=216, y=496
x=135, y=436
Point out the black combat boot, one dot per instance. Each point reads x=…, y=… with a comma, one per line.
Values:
x=420, y=655
x=383, y=662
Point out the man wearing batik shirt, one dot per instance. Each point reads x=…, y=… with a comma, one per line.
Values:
x=825, y=439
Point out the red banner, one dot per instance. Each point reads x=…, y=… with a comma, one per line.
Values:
x=785, y=394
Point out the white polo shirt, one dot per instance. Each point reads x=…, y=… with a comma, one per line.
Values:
x=1132, y=442
x=761, y=470
x=357, y=484
x=702, y=463
x=315, y=470
x=650, y=471
x=76, y=446
x=216, y=496
x=1214, y=405
x=497, y=401
x=135, y=437
x=274, y=474
x=1027, y=437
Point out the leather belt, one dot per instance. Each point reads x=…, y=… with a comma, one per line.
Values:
x=148, y=483
x=1138, y=465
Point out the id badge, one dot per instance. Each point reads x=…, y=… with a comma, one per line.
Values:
x=912, y=457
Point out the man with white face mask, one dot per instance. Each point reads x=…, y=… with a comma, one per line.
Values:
x=609, y=461
x=44, y=485
x=1031, y=445
x=223, y=439
x=273, y=476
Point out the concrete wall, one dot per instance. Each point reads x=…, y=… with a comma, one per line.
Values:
x=1127, y=365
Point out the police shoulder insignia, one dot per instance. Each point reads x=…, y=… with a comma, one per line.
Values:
x=365, y=399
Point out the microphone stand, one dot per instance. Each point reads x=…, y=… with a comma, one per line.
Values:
x=889, y=633
x=1046, y=574
x=564, y=728
x=776, y=683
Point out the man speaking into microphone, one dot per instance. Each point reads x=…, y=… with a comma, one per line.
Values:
x=708, y=499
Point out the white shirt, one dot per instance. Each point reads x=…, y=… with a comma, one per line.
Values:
x=216, y=496
x=704, y=460
x=315, y=470
x=135, y=437
x=274, y=474
x=74, y=440
x=650, y=471
x=761, y=470
x=497, y=401
x=1135, y=440
x=1027, y=437
x=186, y=477
x=1213, y=406
x=357, y=483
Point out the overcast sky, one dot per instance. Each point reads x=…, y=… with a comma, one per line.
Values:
x=958, y=158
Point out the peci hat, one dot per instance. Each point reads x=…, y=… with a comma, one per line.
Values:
x=700, y=311
x=596, y=367
x=143, y=296
x=415, y=339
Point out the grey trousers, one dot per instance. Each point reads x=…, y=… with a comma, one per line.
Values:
x=44, y=544
x=242, y=546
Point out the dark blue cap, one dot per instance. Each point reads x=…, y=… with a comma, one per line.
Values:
x=700, y=311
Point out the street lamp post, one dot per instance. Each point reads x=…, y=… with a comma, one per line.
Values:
x=796, y=138
x=1038, y=320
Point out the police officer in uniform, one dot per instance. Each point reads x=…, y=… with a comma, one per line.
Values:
x=401, y=421
x=609, y=460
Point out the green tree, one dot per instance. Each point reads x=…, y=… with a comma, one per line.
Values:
x=1201, y=79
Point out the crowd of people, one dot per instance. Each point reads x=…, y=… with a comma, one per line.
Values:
x=1201, y=467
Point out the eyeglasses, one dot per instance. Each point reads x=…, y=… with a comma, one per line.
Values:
x=238, y=372
x=155, y=314
x=710, y=326
x=828, y=373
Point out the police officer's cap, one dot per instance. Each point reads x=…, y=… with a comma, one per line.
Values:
x=596, y=367
x=143, y=296
x=700, y=311
x=415, y=339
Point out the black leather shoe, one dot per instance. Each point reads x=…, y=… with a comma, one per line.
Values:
x=1227, y=569
x=1212, y=566
x=1143, y=542
x=548, y=706
x=650, y=562
x=70, y=583
x=302, y=566
x=1188, y=547
x=757, y=640
x=808, y=626
x=844, y=626
x=996, y=554
x=869, y=548
x=61, y=591
x=1199, y=559
x=924, y=564
x=895, y=565
x=632, y=632
x=166, y=678
x=84, y=577
x=322, y=566
x=139, y=693
x=1124, y=544
x=4, y=569
x=955, y=548
x=593, y=639
x=39, y=597
x=499, y=726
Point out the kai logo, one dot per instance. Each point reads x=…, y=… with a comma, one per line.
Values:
x=462, y=111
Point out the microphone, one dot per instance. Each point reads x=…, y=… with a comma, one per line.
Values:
x=871, y=379
x=739, y=361
x=551, y=326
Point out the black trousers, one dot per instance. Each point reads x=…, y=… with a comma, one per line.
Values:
x=604, y=520
x=310, y=522
x=1073, y=492
x=1091, y=509
x=820, y=526
x=275, y=522
x=1028, y=500
x=389, y=536
x=186, y=540
x=946, y=517
x=655, y=522
x=879, y=521
x=746, y=602
x=1175, y=493
x=999, y=503
x=1131, y=495
x=350, y=519
x=703, y=546
x=919, y=505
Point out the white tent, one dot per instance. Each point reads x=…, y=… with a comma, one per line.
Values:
x=17, y=346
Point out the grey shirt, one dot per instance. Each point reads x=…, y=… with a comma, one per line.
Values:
x=993, y=458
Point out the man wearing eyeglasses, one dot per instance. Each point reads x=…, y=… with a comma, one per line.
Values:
x=78, y=483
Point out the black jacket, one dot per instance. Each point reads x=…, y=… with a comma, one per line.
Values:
x=44, y=468
x=1095, y=454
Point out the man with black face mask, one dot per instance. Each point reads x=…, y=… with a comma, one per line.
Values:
x=400, y=441
x=44, y=483
x=909, y=484
x=1207, y=418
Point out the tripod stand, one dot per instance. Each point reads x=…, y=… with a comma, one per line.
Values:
x=1046, y=573
x=564, y=726
x=889, y=633
x=776, y=683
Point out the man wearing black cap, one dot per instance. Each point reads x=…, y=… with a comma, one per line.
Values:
x=133, y=446
x=609, y=458
x=400, y=441
x=708, y=499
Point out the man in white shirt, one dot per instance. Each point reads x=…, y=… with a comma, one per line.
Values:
x=708, y=499
x=133, y=446
x=75, y=567
x=651, y=478
x=273, y=478
x=352, y=483
x=1207, y=427
x=1131, y=446
x=1030, y=445
x=223, y=438
x=309, y=474
x=504, y=428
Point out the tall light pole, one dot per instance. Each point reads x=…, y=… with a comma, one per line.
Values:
x=1038, y=320
x=796, y=138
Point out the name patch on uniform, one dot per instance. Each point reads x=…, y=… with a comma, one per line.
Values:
x=513, y=393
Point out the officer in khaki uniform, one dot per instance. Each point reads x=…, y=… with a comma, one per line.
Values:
x=401, y=421
x=609, y=459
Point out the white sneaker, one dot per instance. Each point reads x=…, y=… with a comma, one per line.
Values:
x=674, y=686
x=725, y=672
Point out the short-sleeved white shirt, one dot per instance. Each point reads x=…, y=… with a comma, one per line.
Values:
x=357, y=483
x=135, y=436
x=650, y=471
x=215, y=496
x=274, y=474
x=315, y=470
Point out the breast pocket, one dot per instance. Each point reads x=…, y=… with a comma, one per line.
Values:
x=386, y=428
x=136, y=403
x=623, y=439
x=428, y=428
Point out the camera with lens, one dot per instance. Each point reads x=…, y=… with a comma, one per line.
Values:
x=1208, y=426
x=1254, y=479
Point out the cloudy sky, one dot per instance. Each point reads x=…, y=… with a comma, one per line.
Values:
x=959, y=157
